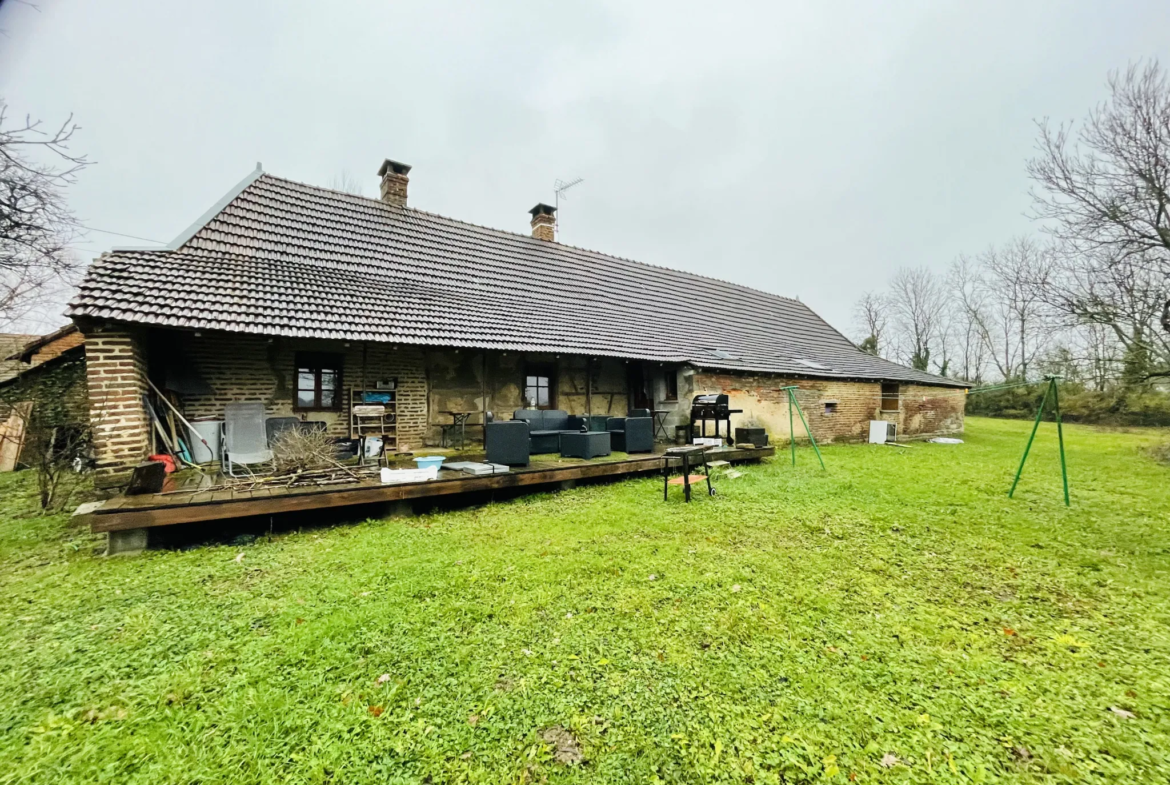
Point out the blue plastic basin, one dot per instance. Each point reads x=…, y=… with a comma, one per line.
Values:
x=427, y=461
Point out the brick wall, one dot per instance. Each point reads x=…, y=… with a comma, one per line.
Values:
x=56, y=347
x=430, y=381
x=931, y=410
x=253, y=368
x=923, y=410
x=115, y=359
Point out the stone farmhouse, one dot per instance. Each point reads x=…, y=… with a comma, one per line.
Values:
x=294, y=295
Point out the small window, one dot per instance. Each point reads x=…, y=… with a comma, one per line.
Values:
x=830, y=407
x=889, y=397
x=670, y=386
x=318, y=383
x=540, y=386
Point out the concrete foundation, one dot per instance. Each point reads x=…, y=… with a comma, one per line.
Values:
x=127, y=542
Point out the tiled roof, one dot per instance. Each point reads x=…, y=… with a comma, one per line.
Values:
x=39, y=348
x=288, y=259
x=10, y=346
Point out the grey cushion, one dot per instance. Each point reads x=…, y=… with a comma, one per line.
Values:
x=274, y=426
x=556, y=420
x=544, y=419
x=534, y=417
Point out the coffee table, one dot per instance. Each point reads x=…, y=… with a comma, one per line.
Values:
x=591, y=444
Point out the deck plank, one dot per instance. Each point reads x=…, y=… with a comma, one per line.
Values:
x=164, y=510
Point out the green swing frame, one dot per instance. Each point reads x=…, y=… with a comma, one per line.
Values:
x=795, y=404
x=1051, y=393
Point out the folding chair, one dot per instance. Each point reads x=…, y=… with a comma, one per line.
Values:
x=245, y=440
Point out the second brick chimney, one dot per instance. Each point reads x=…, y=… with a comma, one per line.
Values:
x=544, y=222
x=394, y=182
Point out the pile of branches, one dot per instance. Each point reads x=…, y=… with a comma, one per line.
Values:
x=306, y=457
x=301, y=458
x=297, y=450
x=334, y=475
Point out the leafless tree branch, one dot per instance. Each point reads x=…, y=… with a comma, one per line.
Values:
x=36, y=225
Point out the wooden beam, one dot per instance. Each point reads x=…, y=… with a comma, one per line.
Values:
x=589, y=385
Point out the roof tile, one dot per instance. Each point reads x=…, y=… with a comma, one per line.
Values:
x=284, y=258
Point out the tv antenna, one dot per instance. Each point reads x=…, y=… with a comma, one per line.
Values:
x=559, y=188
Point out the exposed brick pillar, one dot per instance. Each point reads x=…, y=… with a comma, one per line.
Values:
x=394, y=182
x=115, y=368
x=544, y=222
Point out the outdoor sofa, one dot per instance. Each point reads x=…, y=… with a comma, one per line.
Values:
x=537, y=432
x=545, y=427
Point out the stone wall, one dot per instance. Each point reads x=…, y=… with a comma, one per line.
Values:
x=463, y=380
x=836, y=410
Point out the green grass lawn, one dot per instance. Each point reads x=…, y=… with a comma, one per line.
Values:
x=798, y=627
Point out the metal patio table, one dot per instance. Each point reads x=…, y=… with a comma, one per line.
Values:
x=686, y=455
x=458, y=422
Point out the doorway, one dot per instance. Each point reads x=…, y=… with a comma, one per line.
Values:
x=636, y=383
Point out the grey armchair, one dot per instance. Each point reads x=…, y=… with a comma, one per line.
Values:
x=631, y=434
x=506, y=442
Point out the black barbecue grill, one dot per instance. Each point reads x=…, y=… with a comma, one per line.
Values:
x=710, y=407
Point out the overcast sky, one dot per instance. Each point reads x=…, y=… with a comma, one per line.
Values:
x=807, y=149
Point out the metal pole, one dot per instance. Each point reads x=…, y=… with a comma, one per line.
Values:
x=817, y=450
x=178, y=414
x=1035, y=427
x=1060, y=437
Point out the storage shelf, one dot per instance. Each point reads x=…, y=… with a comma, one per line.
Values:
x=384, y=424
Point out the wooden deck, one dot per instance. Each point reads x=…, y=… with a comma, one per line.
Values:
x=178, y=505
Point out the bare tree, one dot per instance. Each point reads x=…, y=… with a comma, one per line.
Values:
x=968, y=296
x=1106, y=189
x=917, y=299
x=1015, y=329
x=1101, y=355
x=1122, y=295
x=347, y=182
x=871, y=318
x=36, y=226
x=998, y=304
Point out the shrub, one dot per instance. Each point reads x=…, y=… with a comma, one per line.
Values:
x=1119, y=406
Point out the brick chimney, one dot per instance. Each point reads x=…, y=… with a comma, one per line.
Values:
x=394, y=182
x=544, y=222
